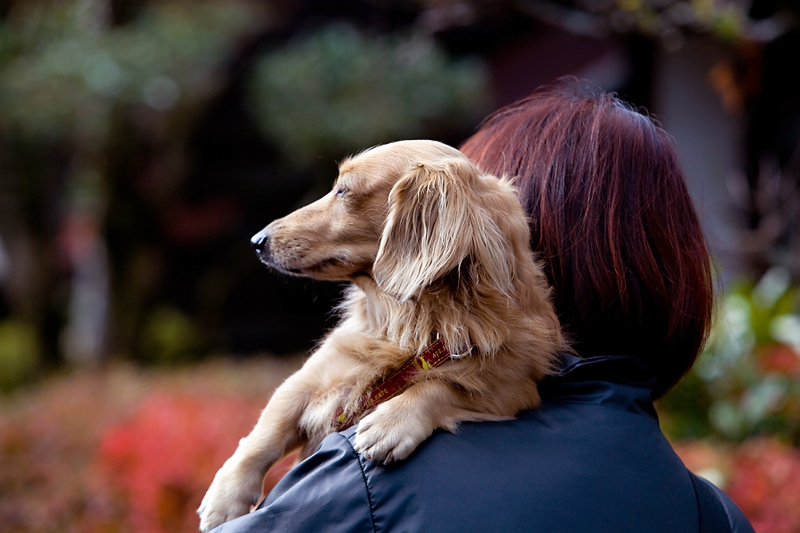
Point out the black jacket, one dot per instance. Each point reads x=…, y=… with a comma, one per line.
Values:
x=591, y=459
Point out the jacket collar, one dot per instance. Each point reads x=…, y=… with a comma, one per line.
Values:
x=620, y=381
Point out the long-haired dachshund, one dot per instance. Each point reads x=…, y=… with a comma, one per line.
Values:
x=434, y=249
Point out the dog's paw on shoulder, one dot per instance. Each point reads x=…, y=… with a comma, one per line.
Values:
x=388, y=434
x=213, y=513
x=228, y=497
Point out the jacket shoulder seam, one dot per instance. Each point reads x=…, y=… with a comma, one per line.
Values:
x=366, y=483
x=715, y=491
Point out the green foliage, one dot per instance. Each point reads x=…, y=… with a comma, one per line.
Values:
x=62, y=70
x=746, y=380
x=170, y=337
x=19, y=353
x=84, y=102
x=723, y=19
x=340, y=90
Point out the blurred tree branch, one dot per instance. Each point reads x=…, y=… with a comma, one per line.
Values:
x=75, y=75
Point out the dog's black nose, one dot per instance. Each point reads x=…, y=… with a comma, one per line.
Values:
x=260, y=242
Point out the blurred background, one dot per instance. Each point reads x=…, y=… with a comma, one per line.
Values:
x=142, y=143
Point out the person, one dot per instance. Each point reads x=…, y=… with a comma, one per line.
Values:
x=613, y=224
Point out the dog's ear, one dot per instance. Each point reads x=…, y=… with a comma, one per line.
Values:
x=437, y=220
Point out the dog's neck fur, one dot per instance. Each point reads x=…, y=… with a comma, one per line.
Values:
x=463, y=318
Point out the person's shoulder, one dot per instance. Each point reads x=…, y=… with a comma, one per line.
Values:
x=326, y=492
x=713, y=501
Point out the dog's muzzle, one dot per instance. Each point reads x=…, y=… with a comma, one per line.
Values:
x=260, y=242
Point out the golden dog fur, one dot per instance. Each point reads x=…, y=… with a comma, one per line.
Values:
x=432, y=246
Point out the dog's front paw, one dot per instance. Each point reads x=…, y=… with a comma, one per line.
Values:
x=391, y=433
x=229, y=496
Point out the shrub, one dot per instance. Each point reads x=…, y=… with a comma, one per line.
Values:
x=745, y=382
x=339, y=90
x=19, y=353
x=762, y=475
x=159, y=463
x=124, y=450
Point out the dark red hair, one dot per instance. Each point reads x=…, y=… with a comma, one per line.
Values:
x=611, y=220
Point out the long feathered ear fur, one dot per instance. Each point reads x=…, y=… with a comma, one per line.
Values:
x=437, y=220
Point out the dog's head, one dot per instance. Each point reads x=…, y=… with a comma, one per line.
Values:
x=406, y=214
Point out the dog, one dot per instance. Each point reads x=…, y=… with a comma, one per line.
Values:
x=434, y=248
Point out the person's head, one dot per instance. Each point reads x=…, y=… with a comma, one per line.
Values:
x=612, y=222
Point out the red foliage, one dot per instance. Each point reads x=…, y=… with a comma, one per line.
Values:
x=765, y=483
x=162, y=460
x=762, y=475
x=123, y=450
x=779, y=359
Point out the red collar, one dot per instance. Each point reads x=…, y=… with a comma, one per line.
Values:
x=434, y=355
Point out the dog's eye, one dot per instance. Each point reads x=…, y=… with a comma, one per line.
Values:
x=341, y=192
